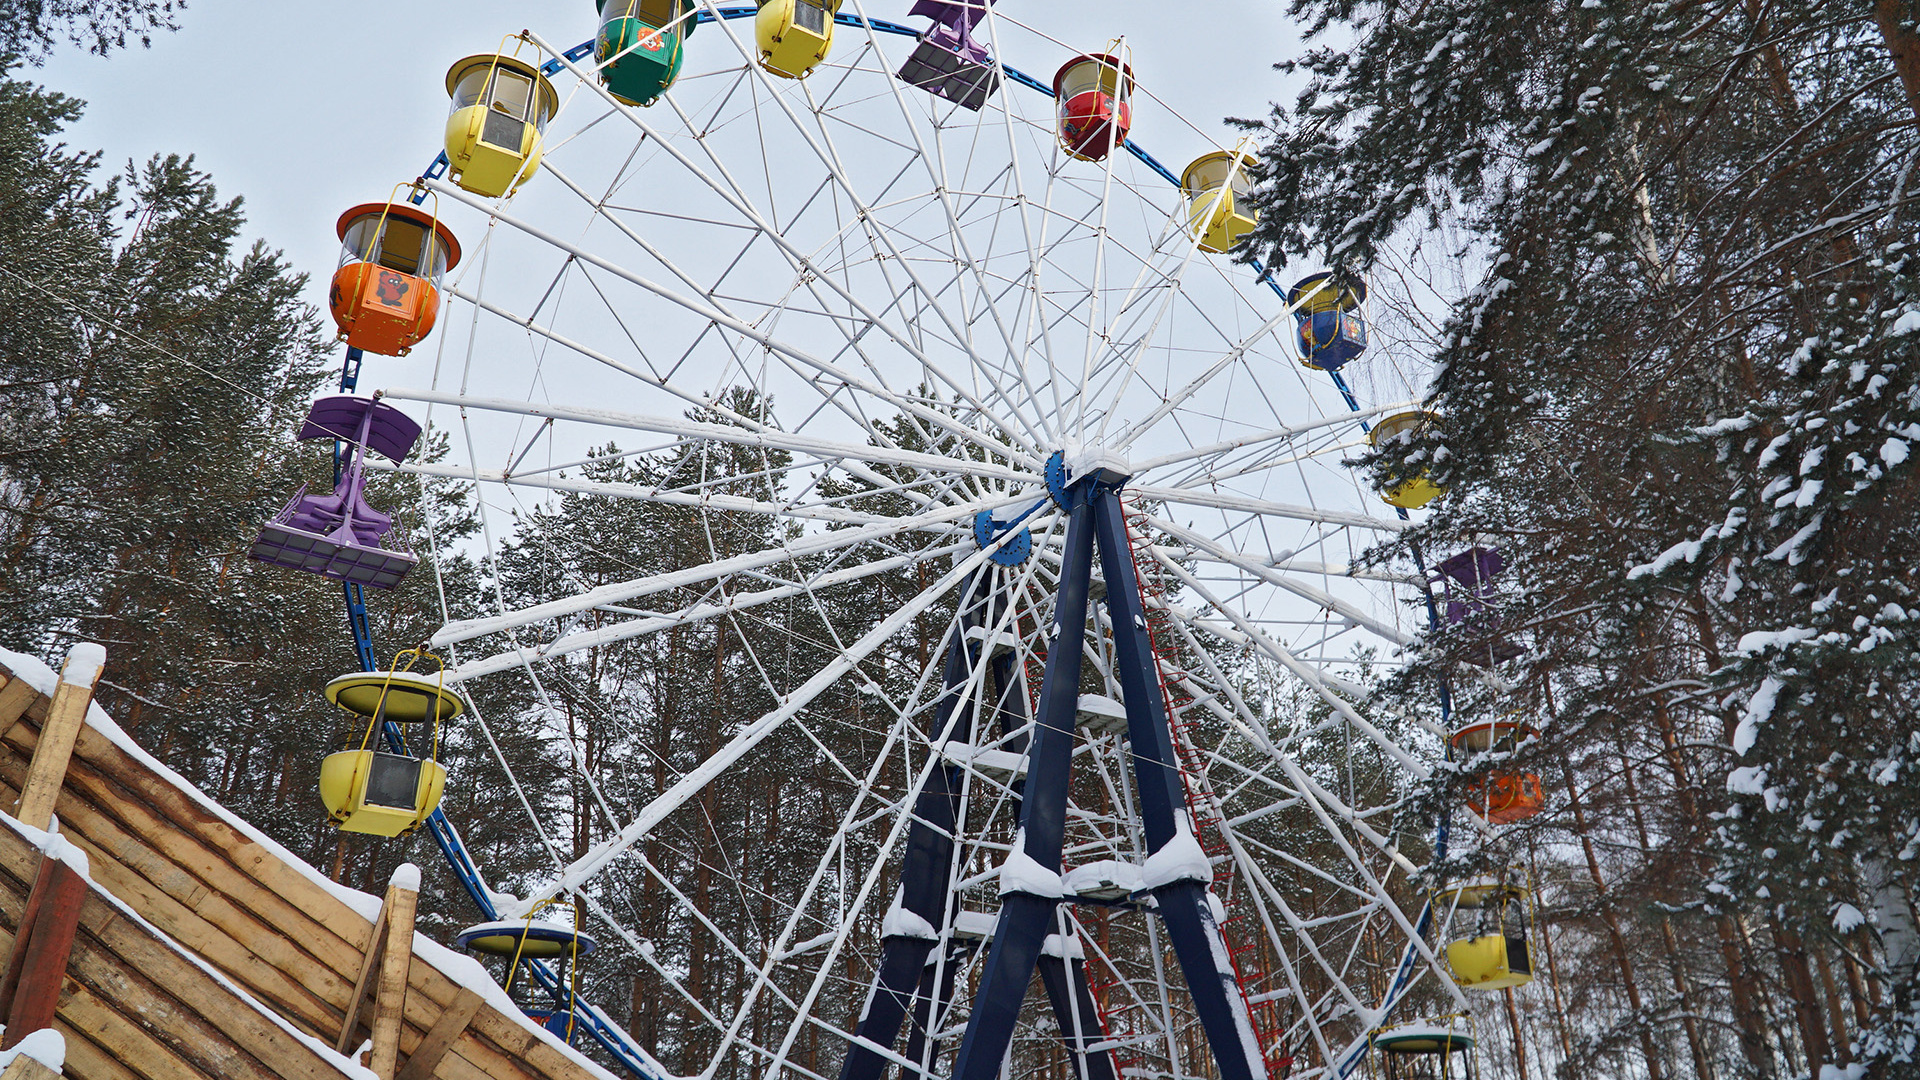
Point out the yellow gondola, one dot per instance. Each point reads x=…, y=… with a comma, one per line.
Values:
x=374, y=791
x=794, y=35
x=1413, y=492
x=1219, y=192
x=499, y=110
x=1495, y=956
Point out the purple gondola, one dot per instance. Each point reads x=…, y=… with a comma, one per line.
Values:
x=338, y=535
x=948, y=62
x=1470, y=602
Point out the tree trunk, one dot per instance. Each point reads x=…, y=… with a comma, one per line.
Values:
x=1895, y=19
x=1553, y=969
x=1856, y=991
x=1655, y=1069
x=1683, y=989
x=1806, y=1003
x=1746, y=1009
x=1519, y=1044
x=1899, y=934
x=1702, y=1066
x=1836, y=1014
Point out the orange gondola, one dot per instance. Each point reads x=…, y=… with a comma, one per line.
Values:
x=1500, y=795
x=386, y=293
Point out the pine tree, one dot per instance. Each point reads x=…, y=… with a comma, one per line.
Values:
x=32, y=28
x=155, y=373
x=1681, y=399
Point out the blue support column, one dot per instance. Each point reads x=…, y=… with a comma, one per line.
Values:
x=1073, y=1006
x=1027, y=917
x=1161, y=795
x=930, y=1006
x=1185, y=905
x=927, y=866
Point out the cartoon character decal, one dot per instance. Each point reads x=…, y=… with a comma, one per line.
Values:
x=391, y=289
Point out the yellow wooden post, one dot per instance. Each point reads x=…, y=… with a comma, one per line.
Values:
x=389, y=1007
x=54, y=749
x=26, y=1068
x=384, y=971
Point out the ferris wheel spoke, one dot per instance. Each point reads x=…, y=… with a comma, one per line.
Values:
x=602, y=209
x=1221, y=500
x=730, y=191
x=1241, y=715
x=1290, y=565
x=766, y=439
x=752, y=734
x=622, y=592
x=1267, y=574
x=1305, y=672
x=734, y=604
x=1255, y=441
x=1148, y=279
x=1178, y=398
x=1261, y=468
x=858, y=469
x=824, y=511
x=1298, y=929
x=958, y=236
x=896, y=833
x=706, y=310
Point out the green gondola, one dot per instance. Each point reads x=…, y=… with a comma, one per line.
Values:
x=643, y=39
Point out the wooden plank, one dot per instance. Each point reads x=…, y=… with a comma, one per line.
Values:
x=267, y=963
x=321, y=926
x=87, y=1059
x=369, y=970
x=148, y=1030
x=261, y=958
x=16, y=954
x=164, y=992
x=453, y=1022
x=390, y=1000
x=134, y=842
x=177, y=1002
x=15, y=697
x=99, y=1040
x=205, y=862
x=199, y=919
x=65, y=717
x=264, y=945
x=26, y=1068
x=190, y=834
x=97, y=1033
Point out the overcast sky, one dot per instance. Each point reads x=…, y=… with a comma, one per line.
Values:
x=307, y=109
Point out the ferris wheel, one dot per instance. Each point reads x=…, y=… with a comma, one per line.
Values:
x=918, y=350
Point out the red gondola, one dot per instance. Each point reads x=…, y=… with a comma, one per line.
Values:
x=1095, y=95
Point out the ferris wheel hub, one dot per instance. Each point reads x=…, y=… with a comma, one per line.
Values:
x=1078, y=463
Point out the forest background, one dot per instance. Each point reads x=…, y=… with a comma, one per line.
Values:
x=1681, y=402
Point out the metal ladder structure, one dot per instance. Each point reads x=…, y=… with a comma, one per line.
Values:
x=1245, y=938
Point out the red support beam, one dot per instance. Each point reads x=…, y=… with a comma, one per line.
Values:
x=30, y=992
